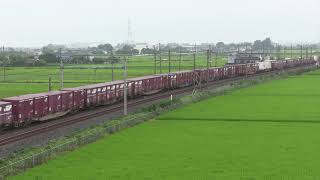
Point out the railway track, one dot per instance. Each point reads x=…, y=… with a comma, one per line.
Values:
x=37, y=129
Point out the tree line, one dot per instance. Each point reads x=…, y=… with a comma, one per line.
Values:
x=106, y=53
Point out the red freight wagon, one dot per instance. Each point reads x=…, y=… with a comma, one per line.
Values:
x=181, y=78
x=203, y=74
x=243, y=68
x=221, y=72
x=239, y=69
x=66, y=101
x=79, y=97
x=95, y=94
x=147, y=84
x=277, y=65
x=28, y=107
x=59, y=101
x=252, y=68
x=172, y=81
x=6, y=117
x=91, y=94
x=41, y=108
x=53, y=102
x=109, y=92
x=165, y=81
x=224, y=72
x=213, y=73
x=114, y=91
x=231, y=71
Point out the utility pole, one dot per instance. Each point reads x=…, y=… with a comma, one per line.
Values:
x=301, y=52
x=160, y=58
x=155, y=60
x=291, y=52
x=216, y=59
x=125, y=107
x=307, y=52
x=208, y=54
x=194, y=61
x=112, y=70
x=208, y=57
x=95, y=75
x=246, y=48
x=50, y=85
x=311, y=53
x=284, y=53
x=180, y=58
x=169, y=60
x=61, y=70
x=276, y=51
x=196, y=76
x=263, y=55
x=4, y=65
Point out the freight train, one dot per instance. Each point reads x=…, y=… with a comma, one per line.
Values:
x=22, y=110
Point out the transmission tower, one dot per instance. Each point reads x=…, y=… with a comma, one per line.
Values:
x=196, y=75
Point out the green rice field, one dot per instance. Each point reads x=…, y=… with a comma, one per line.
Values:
x=22, y=80
x=270, y=131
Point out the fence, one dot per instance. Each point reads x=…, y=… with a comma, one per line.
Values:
x=49, y=153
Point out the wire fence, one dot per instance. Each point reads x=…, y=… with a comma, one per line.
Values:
x=33, y=160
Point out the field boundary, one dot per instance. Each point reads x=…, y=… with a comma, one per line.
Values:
x=116, y=125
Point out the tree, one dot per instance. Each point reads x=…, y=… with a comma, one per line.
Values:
x=80, y=60
x=49, y=58
x=220, y=45
x=40, y=62
x=127, y=49
x=113, y=59
x=135, y=51
x=3, y=60
x=17, y=60
x=99, y=60
x=106, y=47
x=52, y=48
x=147, y=51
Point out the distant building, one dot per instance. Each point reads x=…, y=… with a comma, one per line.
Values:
x=244, y=58
x=140, y=46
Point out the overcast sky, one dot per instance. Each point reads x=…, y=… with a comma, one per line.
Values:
x=39, y=22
